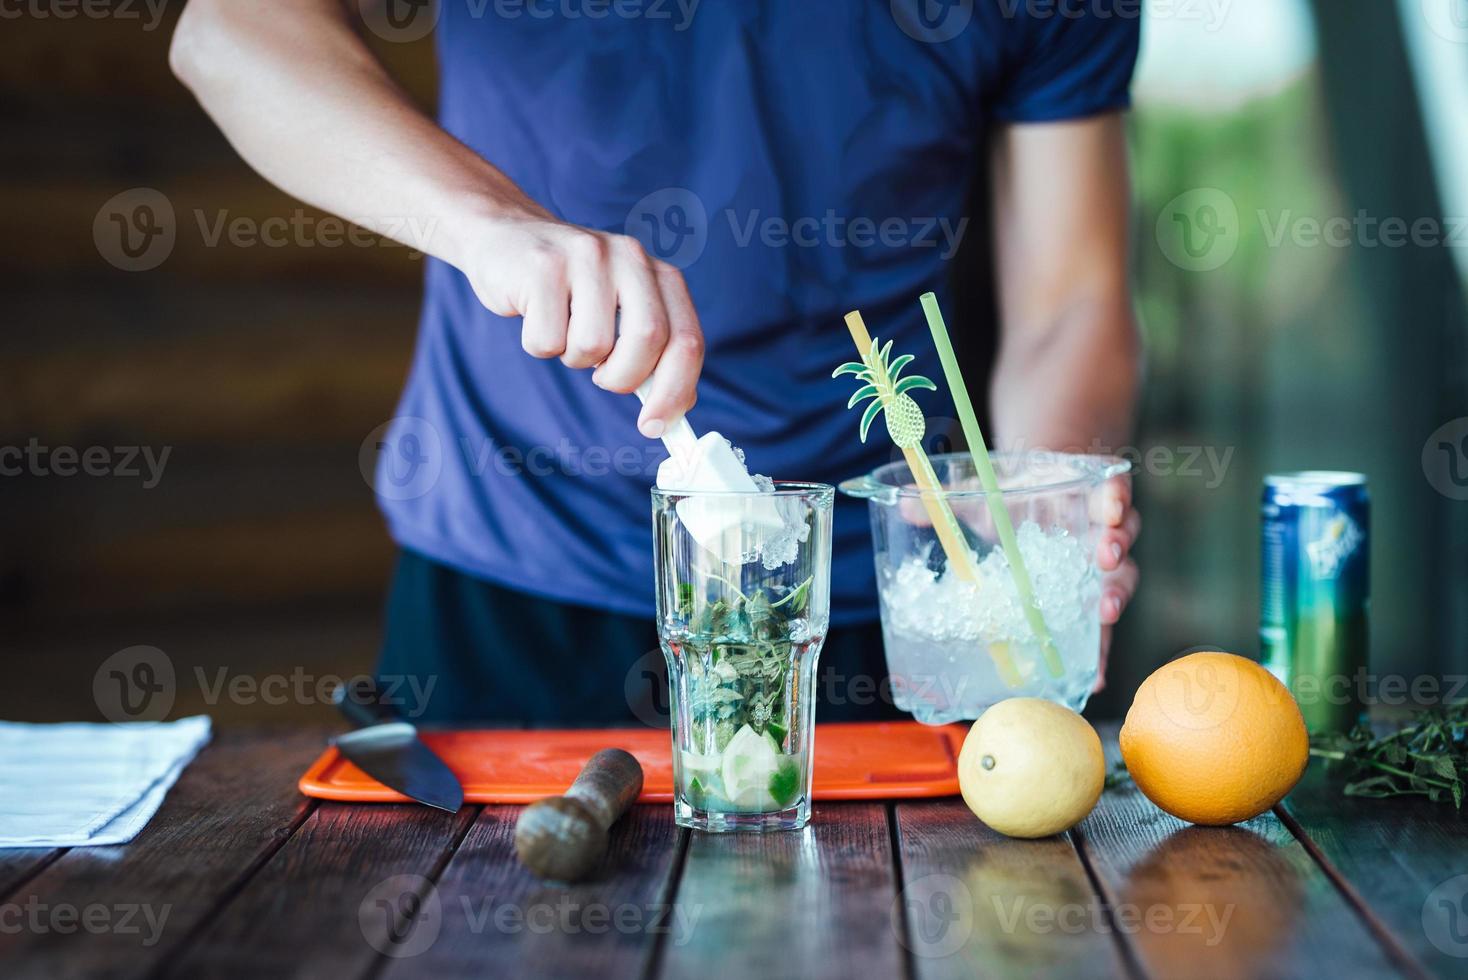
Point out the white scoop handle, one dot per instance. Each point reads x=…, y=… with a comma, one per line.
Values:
x=678, y=437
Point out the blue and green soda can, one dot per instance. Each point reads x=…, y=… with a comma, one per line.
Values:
x=1315, y=593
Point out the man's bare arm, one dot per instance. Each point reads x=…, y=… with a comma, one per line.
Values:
x=301, y=97
x=1069, y=356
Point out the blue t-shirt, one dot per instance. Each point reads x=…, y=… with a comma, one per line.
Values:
x=797, y=160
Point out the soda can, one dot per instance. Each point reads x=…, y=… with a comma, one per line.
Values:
x=1315, y=592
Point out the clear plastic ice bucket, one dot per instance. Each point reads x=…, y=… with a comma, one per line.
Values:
x=948, y=640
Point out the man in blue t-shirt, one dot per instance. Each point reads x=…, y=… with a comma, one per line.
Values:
x=693, y=193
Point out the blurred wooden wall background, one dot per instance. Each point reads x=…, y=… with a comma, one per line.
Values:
x=260, y=368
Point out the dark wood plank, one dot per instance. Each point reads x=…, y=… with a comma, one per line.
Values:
x=488, y=916
x=1221, y=902
x=19, y=865
x=229, y=229
x=229, y=811
x=817, y=903
x=259, y=370
x=305, y=647
x=255, y=411
x=1406, y=860
x=336, y=893
x=976, y=903
x=120, y=60
x=340, y=552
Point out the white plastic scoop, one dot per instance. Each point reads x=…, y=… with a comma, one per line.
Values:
x=732, y=528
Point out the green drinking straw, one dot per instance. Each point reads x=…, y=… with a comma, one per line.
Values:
x=995, y=497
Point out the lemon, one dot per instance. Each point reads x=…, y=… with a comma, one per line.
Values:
x=1031, y=768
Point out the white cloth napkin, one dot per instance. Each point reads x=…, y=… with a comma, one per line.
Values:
x=77, y=784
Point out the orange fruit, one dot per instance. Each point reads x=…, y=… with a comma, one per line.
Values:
x=1214, y=738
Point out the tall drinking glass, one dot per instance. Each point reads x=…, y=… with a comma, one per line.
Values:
x=741, y=639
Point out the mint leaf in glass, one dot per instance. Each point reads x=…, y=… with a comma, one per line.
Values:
x=785, y=783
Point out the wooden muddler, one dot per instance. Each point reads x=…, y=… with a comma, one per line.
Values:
x=564, y=837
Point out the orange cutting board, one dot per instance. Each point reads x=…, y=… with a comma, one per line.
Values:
x=853, y=761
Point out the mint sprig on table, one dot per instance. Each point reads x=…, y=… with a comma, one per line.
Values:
x=1117, y=776
x=1427, y=756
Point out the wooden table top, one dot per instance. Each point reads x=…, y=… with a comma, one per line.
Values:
x=239, y=875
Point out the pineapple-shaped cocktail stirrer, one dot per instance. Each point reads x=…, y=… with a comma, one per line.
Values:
x=883, y=382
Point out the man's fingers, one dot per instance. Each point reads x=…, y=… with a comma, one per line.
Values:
x=1117, y=589
x=643, y=322
x=598, y=301
x=913, y=512
x=972, y=508
x=547, y=311
x=593, y=328
x=1109, y=503
x=675, y=379
x=1115, y=543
